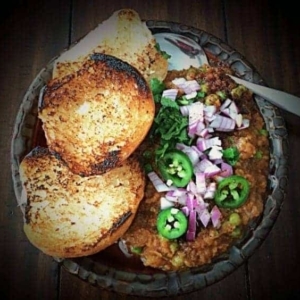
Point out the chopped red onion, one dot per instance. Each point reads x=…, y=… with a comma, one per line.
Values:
x=184, y=110
x=233, y=108
x=191, y=95
x=159, y=185
x=201, y=204
x=190, y=201
x=245, y=124
x=211, y=171
x=165, y=203
x=200, y=153
x=196, y=112
x=226, y=170
x=190, y=235
x=225, y=104
x=215, y=153
x=215, y=216
x=221, y=123
x=191, y=152
x=204, y=217
x=202, y=165
x=185, y=210
x=192, y=129
x=204, y=132
x=210, y=110
x=189, y=86
x=192, y=221
x=204, y=144
x=210, y=191
x=239, y=120
x=170, y=94
x=191, y=232
x=200, y=182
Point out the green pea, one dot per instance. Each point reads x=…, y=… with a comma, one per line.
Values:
x=235, y=219
x=136, y=250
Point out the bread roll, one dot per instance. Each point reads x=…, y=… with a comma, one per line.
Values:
x=67, y=215
x=95, y=118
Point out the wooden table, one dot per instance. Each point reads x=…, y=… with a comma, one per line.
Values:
x=32, y=32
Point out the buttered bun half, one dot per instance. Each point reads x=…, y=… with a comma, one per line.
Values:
x=67, y=215
x=123, y=35
x=97, y=117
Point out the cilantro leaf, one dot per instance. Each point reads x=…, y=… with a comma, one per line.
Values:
x=231, y=155
x=157, y=88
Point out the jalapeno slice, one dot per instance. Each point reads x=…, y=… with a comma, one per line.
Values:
x=171, y=223
x=232, y=192
x=177, y=167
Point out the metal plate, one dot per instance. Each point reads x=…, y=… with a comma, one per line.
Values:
x=108, y=269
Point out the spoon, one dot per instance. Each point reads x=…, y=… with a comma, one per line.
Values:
x=186, y=52
x=281, y=99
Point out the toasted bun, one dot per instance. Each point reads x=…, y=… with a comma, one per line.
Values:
x=95, y=118
x=68, y=215
x=123, y=35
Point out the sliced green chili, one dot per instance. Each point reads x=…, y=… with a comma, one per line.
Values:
x=232, y=192
x=177, y=167
x=171, y=223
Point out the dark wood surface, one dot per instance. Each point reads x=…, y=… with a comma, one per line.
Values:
x=32, y=32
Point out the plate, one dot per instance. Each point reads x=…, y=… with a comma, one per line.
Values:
x=109, y=269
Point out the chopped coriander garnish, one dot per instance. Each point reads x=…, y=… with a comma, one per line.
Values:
x=231, y=155
x=157, y=87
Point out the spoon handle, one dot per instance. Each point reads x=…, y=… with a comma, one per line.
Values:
x=281, y=99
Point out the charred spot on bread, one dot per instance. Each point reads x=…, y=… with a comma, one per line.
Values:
x=118, y=65
x=122, y=219
x=111, y=161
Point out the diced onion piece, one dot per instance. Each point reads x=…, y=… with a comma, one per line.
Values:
x=210, y=191
x=184, y=110
x=200, y=182
x=159, y=185
x=185, y=210
x=192, y=221
x=212, y=171
x=226, y=169
x=215, y=153
x=215, y=215
x=203, y=165
x=204, y=144
x=210, y=110
x=205, y=217
x=191, y=232
x=233, y=108
x=225, y=104
x=165, y=203
x=196, y=112
x=245, y=124
x=191, y=95
x=239, y=120
x=190, y=235
x=221, y=123
x=170, y=94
